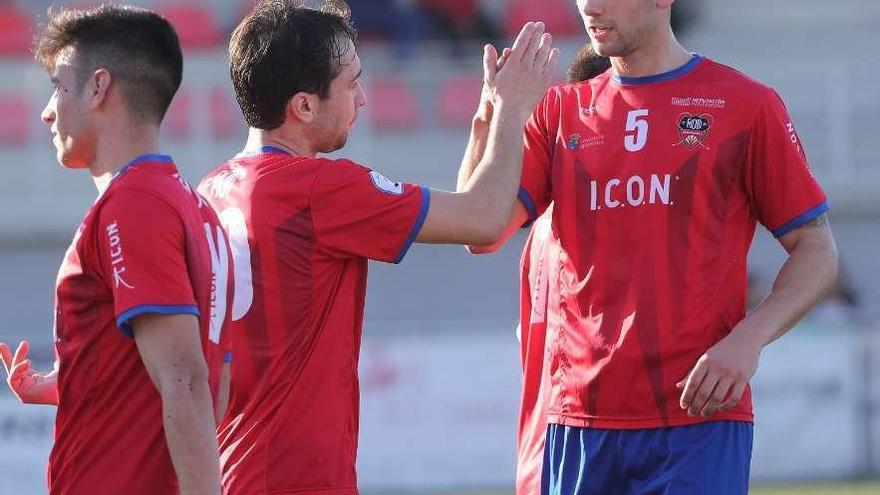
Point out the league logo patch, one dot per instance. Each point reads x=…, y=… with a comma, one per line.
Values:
x=693, y=130
x=385, y=184
x=573, y=141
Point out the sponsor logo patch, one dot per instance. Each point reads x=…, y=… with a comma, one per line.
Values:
x=693, y=130
x=696, y=101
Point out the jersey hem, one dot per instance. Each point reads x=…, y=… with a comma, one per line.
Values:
x=124, y=318
x=315, y=491
x=644, y=423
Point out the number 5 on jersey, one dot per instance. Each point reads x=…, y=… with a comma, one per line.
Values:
x=636, y=130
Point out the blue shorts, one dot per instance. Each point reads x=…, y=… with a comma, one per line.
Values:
x=703, y=459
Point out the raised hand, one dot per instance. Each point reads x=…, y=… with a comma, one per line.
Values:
x=525, y=72
x=29, y=385
x=484, y=110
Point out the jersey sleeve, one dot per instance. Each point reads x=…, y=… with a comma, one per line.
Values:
x=141, y=247
x=358, y=212
x=783, y=192
x=535, y=186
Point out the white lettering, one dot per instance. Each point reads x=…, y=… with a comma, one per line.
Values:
x=594, y=197
x=609, y=186
x=219, y=280
x=631, y=197
x=656, y=187
x=116, y=259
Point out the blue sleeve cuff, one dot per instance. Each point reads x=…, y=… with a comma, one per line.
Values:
x=227, y=357
x=417, y=226
x=801, y=219
x=123, y=321
x=526, y=199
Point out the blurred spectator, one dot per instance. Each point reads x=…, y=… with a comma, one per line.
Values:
x=458, y=21
x=397, y=20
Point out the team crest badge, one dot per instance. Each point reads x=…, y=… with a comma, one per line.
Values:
x=573, y=141
x=693, y=130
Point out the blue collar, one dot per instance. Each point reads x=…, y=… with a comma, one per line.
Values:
x=666, y=76
x=150, y=157
x=263, y=150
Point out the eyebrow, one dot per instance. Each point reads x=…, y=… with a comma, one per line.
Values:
x=359, y=74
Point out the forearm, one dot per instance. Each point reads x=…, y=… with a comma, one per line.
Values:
x=188, y=418
x=492, y=186
x=806, y=276
x=476, y=147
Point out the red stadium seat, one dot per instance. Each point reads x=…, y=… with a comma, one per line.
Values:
x=458, y=101
x=558, y=15
x=15, y=127
x=226, y=119
x=393, y=106
x=16, y=31
x=177, y=124
x=196, y=25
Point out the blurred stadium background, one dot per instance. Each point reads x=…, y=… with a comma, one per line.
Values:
x=439, y=367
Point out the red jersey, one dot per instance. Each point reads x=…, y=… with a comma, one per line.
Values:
x=149, y=245
x=536, y=258
x=658, y=183
x=301, y=230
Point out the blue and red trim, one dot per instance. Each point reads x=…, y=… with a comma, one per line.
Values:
x=417, y=226
x=801, y=219
x=656, y=78
x=123, y=321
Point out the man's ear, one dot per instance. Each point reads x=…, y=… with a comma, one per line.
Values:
x=302, y=107
x=98, y=86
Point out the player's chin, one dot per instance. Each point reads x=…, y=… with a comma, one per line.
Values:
x=608, y=49
x=68, y=161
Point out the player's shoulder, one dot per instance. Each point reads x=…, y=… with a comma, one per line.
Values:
x=576, y=89
x=733, y=80
x=330, y=170
x=130, y=187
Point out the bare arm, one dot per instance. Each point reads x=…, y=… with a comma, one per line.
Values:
x=222, y=394
x=171, y=350
x=474, y=153
x=479, y=212
x=720, y=376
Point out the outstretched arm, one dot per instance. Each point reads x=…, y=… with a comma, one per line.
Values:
x=721, y=375
x=480, y=211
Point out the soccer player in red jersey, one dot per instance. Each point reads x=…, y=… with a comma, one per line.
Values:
x=532, y=328
x=141, y=296
x=658, y=171
x=302, y=229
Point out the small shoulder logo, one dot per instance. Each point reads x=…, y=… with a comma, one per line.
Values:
x=693, y=130
x=573, y=141
x=385, y=184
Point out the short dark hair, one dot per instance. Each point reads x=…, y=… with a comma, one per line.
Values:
x=587, y=64
x=138, y=47
x=283, y=48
